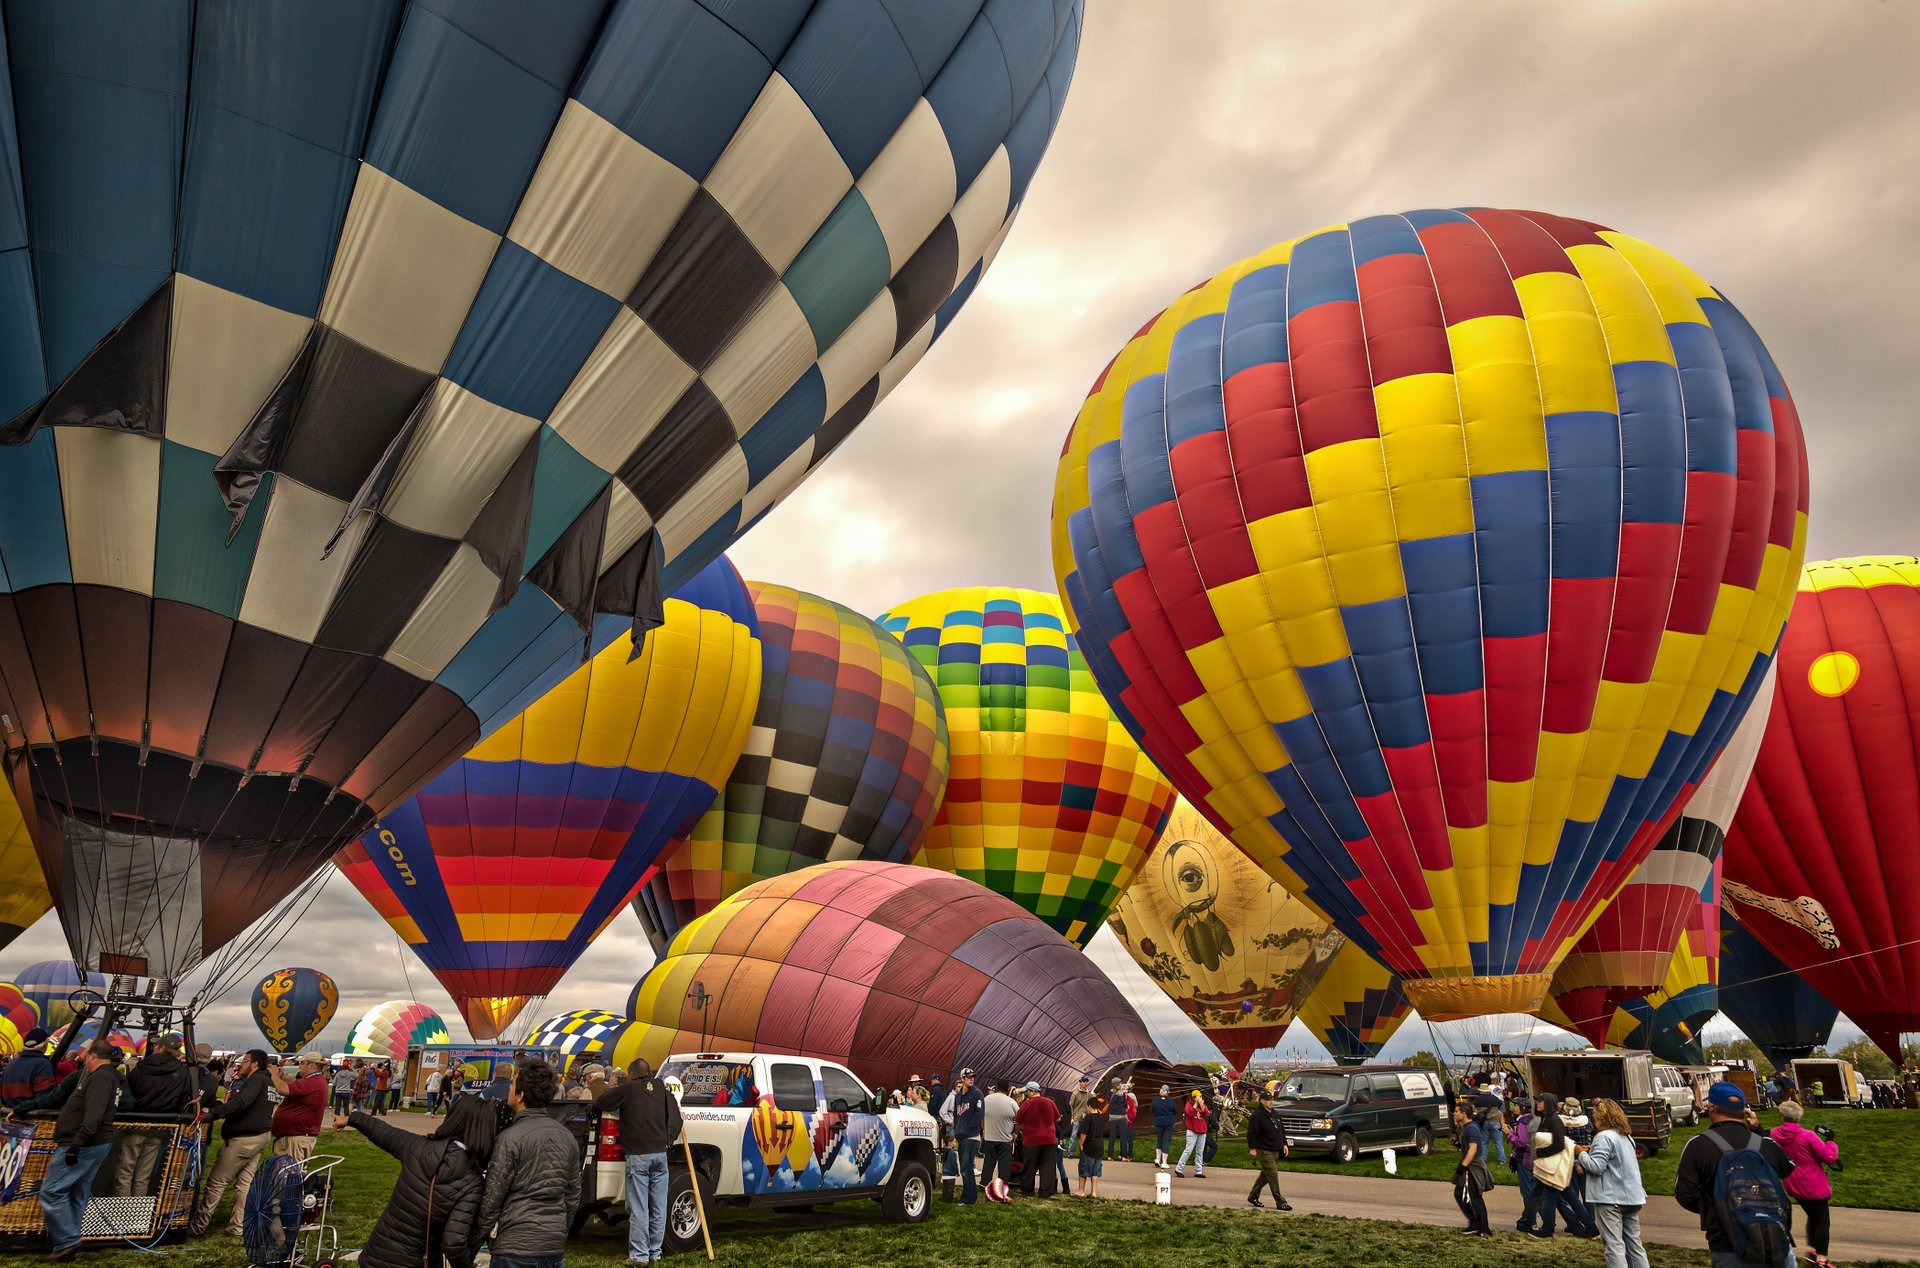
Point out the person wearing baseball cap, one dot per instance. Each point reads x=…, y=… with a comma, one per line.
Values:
x=30, y=1073
x=969, y=1111
x=1267, y=1145
x=1039, y=1120
x=1076, y=1111
x=296, y=1124
x=82, y=1139
x=1737, y=1127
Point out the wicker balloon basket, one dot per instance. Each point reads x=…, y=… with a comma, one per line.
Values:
x=165, y=1209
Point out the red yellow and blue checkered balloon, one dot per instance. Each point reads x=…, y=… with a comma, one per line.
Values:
x=1435, y=556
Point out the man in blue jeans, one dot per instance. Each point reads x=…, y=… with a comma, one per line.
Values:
x=969, y=1116
x=649, y=1123
x=82, y=1138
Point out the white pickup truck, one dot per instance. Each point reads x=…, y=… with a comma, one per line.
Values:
x=776, y=1131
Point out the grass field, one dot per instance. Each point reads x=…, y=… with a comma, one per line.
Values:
x=1880, y=1147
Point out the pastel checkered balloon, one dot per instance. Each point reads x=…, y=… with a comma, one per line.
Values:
x=1435, y=557
x=1049, y=800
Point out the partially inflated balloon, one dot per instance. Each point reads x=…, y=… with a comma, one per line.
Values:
x=847, y=759
x=17, y=1016
x=1237, y=953
x=892, y=970
x=502, y=870
x=292, y=1006
x=50, y=986
x=23, y=890
x=1049, y=801
x=582, y=1032
x=1669, y=909
x=84, y=1033
x=1823, y=858
x=389, y=1031
x=407, y=337
x=1356, y=1007
x=1773, y=1005
x=1434, y=557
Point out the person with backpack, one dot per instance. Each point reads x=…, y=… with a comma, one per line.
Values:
x=1613, y=1186
x=1731, y=1177
x=1471, y=1178
x=1811, y=1154
x=1166, y=1116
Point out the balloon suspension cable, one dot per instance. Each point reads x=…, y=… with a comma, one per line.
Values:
x=239, y=959
x=400, y=953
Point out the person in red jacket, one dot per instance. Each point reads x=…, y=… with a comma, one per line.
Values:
x=1196, y=1150
x=1039, y=1122
x=1811, y=1153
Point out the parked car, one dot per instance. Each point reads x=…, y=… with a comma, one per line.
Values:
x=1626, y=1077
x=1673, y=1086
x=808, y=1132
x=1345, y=1111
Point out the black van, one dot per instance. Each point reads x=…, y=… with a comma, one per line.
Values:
x=1345, y=1111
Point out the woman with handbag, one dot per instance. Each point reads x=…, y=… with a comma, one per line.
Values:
x=1614, y=1190
x=1471, y=1179
x=1553, y=1157
x=437, y=1197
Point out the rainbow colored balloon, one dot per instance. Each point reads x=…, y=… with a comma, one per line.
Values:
x=292, y=1006
x=391, y=1030
x=847, y=759
x=1356, y=1007
x=502, y=870
x=1823, y=858
x=1049, y=801
x=1435, y=557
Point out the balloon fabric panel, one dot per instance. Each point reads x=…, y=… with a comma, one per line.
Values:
x=1049, y=801
x=23, y=889
x=413, y=337
x=1434, y=557
x=847, y=759
x=1357, y=1006
x=1824, y=855
x=584, y=1031
x=502, y=870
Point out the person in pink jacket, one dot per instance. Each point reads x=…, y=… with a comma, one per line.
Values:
x=1808, y=1185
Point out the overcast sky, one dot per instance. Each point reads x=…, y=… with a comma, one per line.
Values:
x=1773, y=146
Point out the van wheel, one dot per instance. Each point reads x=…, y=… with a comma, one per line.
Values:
x=1422, y=1141
x=909, y=1195
x=1345, y=1148
x=683, y=1214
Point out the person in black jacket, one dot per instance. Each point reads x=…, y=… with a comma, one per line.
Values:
x=437, y=1197
x=649, y=1122
x=245, y=1134
x=1267, y=1145
x=161, y=1085
x=82, y=1137
x=1699, y=1163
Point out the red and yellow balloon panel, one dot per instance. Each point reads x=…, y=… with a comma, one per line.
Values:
x=1435, y=556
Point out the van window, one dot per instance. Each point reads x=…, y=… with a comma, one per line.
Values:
x=841, y=1086
x=1315, y=1087
x=1418, y=1086
x=793, y=1087
x=1362, y=1090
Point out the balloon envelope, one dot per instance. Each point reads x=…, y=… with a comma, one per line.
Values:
x=17, y=1016
x=1049, y=801
x=23, y=890
x=1823, y=857
x=49, y=985
x=502, y=870
x=408, y=338
x=1356, y=1007
x=847, y=759
x=389, y=1031
x=1773, y=1005
x=891, y=970
x=1433, y=556
x=581, y=1032
x=1237, y=954
x=292, y=1006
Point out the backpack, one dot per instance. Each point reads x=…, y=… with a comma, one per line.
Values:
x=1751, y=1201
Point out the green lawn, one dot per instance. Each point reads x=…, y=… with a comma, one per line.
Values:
x=1883, y=1147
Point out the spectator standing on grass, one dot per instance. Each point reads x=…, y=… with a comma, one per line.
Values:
x=1063, y=1136
x=434, y=1079
x=1166, y=1116
x=436, y=1198
x=160, y=1086
x=82, y=1138
x=343, y=1088
x=969, y=1118
x=533, y=1181
x=1039, y=1120
x=649, y=1123
x=1077, y=1106
x=1613, y=1187
x=382, y=1080
x=1810, y=1155
x=246, y=1132
x=1092, y=1137
x=302, y=1102
x=999, y=1112
x=1267, y=1145
x=1117, y=1109
x=1520, y=1144
x=1580, y=1133
x=1553, y=1156
x=1733, y=1129
x=1467, y=1191
x=1195, y=1114
x=30, y=1072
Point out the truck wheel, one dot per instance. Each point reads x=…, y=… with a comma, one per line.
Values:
x=1422, y=1141
x=1345, y=1148
x=909, y=1195
x=683, y=1215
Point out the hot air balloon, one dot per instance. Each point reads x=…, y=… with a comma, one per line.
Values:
x=1823, y=857
x=1049, y=801
x=17, y=1017
x=847, y=759
x=292, y=1006
x=1356, y=1007
x=1237, y=953
x=84, y=1033
x=891, y=970
x=1434, y=557
x=502, y=870
x=50, y=985
x=1670, y=907
x=23, y=890
x=389, y=1031
x=584, y=1031
x=1773, y=1005
x=409, y=338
